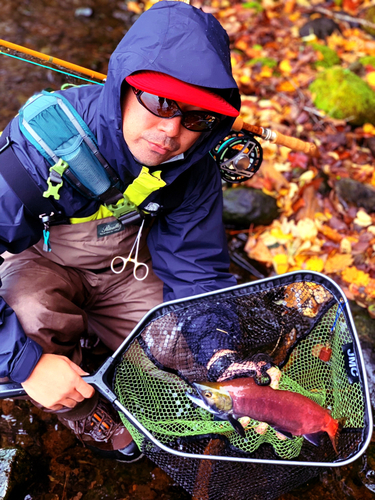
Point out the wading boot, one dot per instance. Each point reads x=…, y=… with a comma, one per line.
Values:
x=99, y=427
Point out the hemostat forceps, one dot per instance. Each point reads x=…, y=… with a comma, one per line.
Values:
x=134, y=260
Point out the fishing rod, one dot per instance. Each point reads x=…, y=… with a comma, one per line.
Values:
x=52, y=60
x=265, y=133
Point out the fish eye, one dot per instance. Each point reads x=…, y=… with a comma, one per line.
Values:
x=208, y=394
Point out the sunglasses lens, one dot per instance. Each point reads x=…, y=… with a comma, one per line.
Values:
x=159, y=106
x=198, y=121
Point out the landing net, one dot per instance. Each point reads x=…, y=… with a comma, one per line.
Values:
x=302, y=322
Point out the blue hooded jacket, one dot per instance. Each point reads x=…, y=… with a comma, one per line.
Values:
x=187, y=243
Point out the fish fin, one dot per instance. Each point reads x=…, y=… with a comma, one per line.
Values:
x=314, y=438
x=287, y=434
x=236, y=426
x=334, y=437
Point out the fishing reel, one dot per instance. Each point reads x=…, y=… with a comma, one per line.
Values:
x=239, y=157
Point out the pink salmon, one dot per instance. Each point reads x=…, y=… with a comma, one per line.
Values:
x=289, y=413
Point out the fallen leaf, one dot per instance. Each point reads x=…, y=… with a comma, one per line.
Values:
x=354, y=276
x=337, y=263
x=280, y=263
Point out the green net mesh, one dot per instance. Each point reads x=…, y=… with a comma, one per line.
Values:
x=304, y=328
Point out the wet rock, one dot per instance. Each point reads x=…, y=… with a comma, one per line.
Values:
x=351, y=192
x=14, y=472
x=344, y=95
x=245, y=206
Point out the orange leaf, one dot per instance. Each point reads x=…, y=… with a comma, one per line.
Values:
x=370, y=289
x=258, y=252
x=285, y=87
x=338, y=263
x=331, y=234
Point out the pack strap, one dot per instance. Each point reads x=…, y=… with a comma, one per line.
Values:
x=20, y=181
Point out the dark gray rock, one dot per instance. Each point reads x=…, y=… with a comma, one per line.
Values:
x=321, y=27
x=351, y=192
x=245, y=206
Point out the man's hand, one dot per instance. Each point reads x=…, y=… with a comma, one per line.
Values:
x=56, y=382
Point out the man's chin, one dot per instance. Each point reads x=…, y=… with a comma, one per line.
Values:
x=152, y=159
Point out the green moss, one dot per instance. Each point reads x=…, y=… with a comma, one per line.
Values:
x=344, y=95
x=330, y=58
x=264, y=61
x=368, y=61
x=253, y=5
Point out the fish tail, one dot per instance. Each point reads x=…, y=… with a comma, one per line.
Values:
x=333, y=430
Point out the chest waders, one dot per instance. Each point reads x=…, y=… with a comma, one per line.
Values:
x=57, y=131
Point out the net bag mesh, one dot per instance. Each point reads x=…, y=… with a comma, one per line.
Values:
x=301, y=322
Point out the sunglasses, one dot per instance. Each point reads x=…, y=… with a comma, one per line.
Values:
x=196, y=121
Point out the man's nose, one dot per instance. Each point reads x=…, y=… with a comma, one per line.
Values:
x=171, y=126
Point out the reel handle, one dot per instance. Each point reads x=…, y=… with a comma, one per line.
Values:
x=277, y=138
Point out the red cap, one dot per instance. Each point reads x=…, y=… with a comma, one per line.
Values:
x=167, y=86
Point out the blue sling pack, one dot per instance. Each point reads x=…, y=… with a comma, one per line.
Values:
x=58, y=132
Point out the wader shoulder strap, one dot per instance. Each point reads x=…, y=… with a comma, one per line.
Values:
x=20, y=181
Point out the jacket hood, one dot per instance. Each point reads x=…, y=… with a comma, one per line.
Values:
x=182, y=41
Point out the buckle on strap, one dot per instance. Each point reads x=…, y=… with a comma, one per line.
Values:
x=125, y=211
x=55, y=180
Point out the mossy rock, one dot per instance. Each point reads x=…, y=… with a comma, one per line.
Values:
x=344, y=95
x=330, y=58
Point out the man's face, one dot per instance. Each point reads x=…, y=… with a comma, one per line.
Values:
x=153, y=140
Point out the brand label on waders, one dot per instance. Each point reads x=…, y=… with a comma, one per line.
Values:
x=109, y=228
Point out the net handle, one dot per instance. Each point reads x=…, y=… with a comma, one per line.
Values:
x=98, y=380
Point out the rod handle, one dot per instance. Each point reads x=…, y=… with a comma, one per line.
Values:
x=277, y=138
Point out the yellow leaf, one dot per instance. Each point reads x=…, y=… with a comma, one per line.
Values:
x=245, y=79
x=280, y=236
x=338, y=263
x=285, y=67
x=315, y=264
x=355, y=276
x=370, y=78
x=266, y=72
x=280, y=263
x=368, y=128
